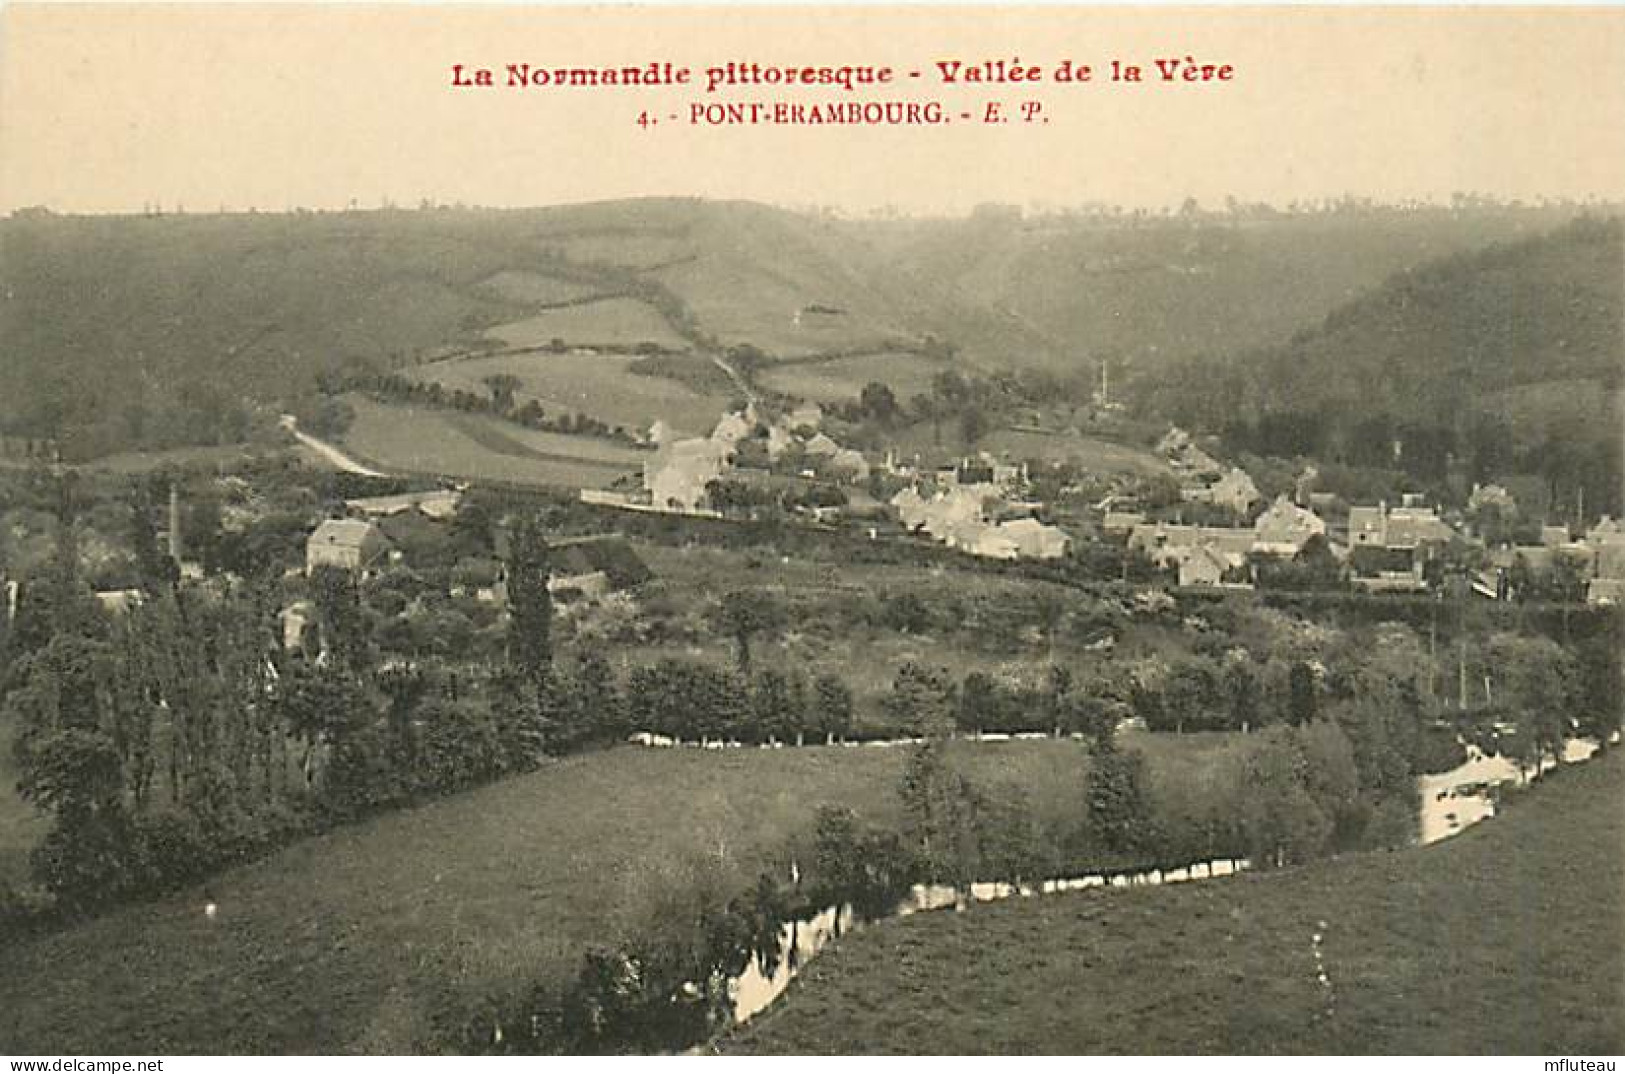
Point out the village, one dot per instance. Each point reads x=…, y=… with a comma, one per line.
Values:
x=1084, y=533
x=762, y=462
x=757, y=462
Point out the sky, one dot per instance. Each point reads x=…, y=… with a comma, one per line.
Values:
x=108, y=109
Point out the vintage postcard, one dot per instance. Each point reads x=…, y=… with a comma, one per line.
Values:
x=750, y=530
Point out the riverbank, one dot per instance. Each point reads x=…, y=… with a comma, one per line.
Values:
x=371, y=937
x=1504, y=939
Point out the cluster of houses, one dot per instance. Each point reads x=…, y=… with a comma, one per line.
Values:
x=977, y=506
x=1223, y=555
x=1597, y=558
x=1379, y=547
x=751, y=441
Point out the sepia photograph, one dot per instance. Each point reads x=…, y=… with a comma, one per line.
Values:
x=661, y=530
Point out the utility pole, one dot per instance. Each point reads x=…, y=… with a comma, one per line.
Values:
x=1461, y=665
x=1433, y=646
x=175, y=522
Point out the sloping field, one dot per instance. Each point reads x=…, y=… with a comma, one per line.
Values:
x=841, y=379
x=633, y=248
x=610, y=322
x=1096, y=455
x=451, y=443
x=602, y=386
x=765, y=300
x=535, y=288
x=354, y=940
x=1503, y=940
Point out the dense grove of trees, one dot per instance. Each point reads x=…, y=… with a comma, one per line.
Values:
x=181, y=734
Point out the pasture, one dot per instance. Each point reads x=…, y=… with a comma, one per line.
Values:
x=1503, y=940
x=742, y=293
x=602, y=386
x=367, y=938
x=1092, y=453
x=1097, y=455
x=417, y=439
x=608, y=322
x=842, y=379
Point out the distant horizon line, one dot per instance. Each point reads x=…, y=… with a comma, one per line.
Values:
x=1231, y=206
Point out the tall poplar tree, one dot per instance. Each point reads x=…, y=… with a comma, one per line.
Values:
x=530, y=639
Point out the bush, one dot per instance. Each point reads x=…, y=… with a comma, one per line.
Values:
x=172, y=851
x=87, y=864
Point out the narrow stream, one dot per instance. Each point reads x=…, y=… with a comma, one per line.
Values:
x=1450, y=802
x=1454, y=801
x=799, y=941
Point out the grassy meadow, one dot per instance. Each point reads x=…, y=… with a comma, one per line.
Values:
x=431, y=440
x=840, y=380
x=1092, y=453
x=353, y=941
x=607, y=322
x=931, y=441
x=1502, y=940
x=602, y=386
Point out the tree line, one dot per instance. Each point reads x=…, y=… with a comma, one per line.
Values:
x=502, y=402
x=1290, y=797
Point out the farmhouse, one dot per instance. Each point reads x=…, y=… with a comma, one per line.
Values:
x=821, y=444
x=1167, y=544
x=1389, y=548
x=1206, y=564
x=1034, y=540
x=349, y=544
x=1606, y=540
x=1284, y=528
x=734, y=427
x=940, y=515
x=1183, y=455
x=679, y=472
x=596, y=566
x=1234, y=491
x=1411, y=526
